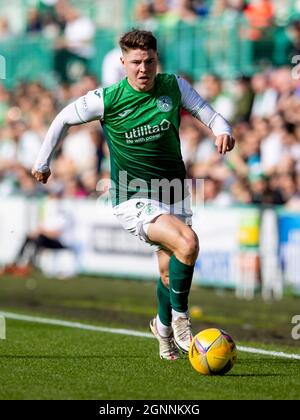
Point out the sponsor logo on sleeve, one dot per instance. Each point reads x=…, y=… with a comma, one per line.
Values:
x=98, y=93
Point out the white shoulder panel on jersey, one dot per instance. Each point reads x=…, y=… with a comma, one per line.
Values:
x=200, y=109
x=90, y=106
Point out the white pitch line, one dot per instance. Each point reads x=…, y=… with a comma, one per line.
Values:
x=59, y=322
x=269, y=352
x=49, y=321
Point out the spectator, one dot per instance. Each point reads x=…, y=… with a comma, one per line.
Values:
x=213, y=91
x=258, y=188
x=271, y=144
x=265, y=97
x=287, y=185
x=112, y=68
x=197, y=148
x=75, y=46
x=240, y=192
x=213, y=193
x=243, y=99
x=34, y=21
x=79, y=147
x=250, y=151
x=200, y=7
x=4, y=103
x=5, y=32
x=144, y=16
x=228, y=10
x=293, y=203
x=286, y=43
x=260, y=14
x=182, y=11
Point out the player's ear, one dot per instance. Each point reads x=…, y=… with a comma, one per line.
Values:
x=122, y=60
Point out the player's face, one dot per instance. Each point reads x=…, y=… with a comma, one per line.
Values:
x=140, y=68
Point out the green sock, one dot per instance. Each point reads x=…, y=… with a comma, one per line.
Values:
x=164, y=303
x=180, y=275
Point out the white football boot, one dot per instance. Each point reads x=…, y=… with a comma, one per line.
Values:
x=182, y=330
x=167, y=348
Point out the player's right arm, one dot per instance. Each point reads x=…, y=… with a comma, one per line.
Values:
x=87, y=108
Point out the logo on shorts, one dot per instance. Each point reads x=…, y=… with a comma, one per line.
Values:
x=149, y=209
x=164, y=103
x=139, y=205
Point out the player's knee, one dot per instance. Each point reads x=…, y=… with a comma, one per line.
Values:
x=189, y=245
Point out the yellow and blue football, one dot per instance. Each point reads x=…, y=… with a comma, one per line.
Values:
x=212, y=352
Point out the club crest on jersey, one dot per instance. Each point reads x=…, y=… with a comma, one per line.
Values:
x=164, y=103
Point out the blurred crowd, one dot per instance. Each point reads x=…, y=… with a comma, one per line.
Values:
x=26, y=114
x=49, y=15
x=264, y=168
x=271, y=26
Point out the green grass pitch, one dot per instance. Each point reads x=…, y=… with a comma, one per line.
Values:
x=40, y=361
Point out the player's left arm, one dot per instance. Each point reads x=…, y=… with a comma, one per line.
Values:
x=200, y=109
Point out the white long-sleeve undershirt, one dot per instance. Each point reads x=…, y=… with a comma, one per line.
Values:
x=200, y=109
x=90, y=107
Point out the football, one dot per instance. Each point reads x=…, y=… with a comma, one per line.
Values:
x=212, y=352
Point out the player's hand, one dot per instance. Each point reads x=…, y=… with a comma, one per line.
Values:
x=41, y=176
x=224, y=143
